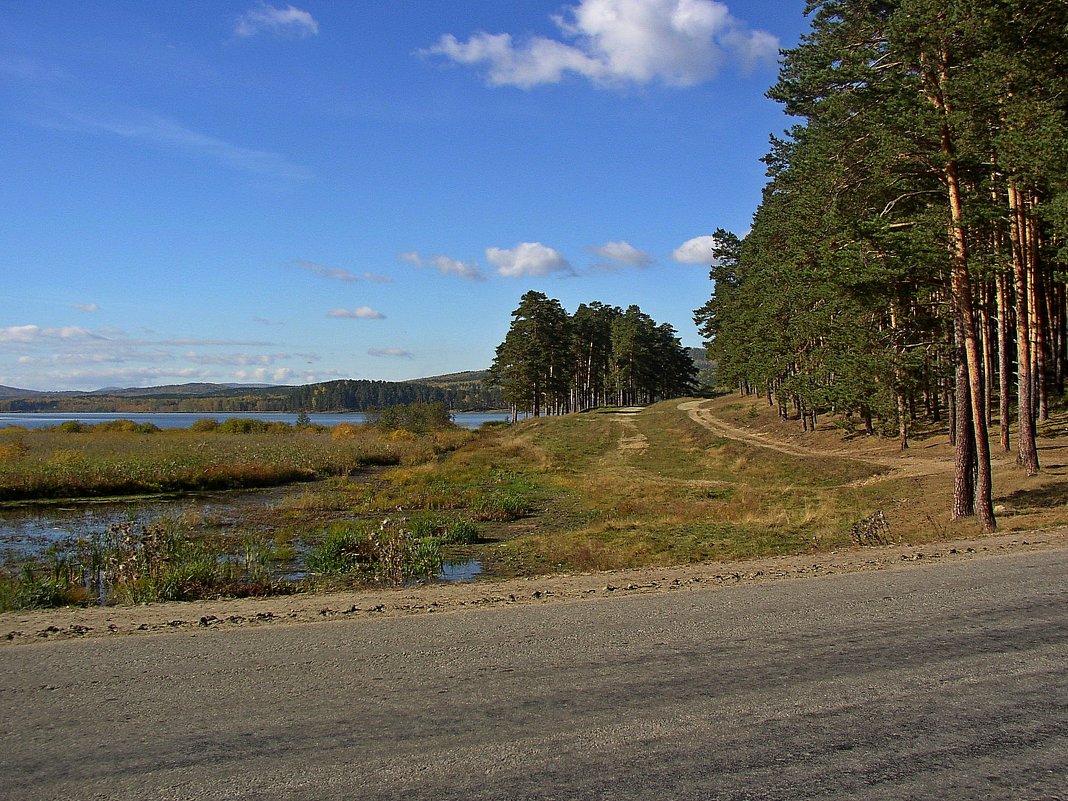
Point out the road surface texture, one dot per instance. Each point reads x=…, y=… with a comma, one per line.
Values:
x=940, y=681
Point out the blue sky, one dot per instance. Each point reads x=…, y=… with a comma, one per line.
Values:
x=274, y=193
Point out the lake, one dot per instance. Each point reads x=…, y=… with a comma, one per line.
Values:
x=185, y=420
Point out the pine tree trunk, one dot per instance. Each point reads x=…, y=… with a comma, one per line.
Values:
x=961, y=426
x=1025, y=407
x=963, y=307
x=1003, y=361
x=965, y=315
x=1041, y=327
x=988, y=353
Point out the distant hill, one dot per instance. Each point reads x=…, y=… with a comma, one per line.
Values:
x=14, y=392
x=452, y=379
x=196, y=389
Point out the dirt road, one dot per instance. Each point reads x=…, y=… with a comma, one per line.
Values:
x=947, y=680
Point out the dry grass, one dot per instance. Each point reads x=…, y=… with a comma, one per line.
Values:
x=55, y=463
x=659, y=488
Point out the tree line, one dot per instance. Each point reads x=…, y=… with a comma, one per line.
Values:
x=552, y=362
x=329, y=396
x=908, y=258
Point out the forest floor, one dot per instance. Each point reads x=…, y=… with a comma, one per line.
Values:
x=910, y=487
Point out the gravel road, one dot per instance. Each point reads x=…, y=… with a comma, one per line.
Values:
x=940, y=681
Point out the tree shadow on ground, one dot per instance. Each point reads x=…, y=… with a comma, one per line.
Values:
x=1039, y=497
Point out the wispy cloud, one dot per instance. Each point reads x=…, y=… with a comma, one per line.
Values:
x=236, y=359
x=695, y=251
x=619, y=42
x=446, y=265
x=361, y=313
x=528, y=258
x=334, y=273
x=621, y=253
x=288, y=21
x=391, y=353
x=124, y=376
x=192, y=342
x=102, y=355
x=173, y=135
x=88, y=308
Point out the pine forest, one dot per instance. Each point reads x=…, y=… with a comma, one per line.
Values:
x=907, y=261
x=552, y=362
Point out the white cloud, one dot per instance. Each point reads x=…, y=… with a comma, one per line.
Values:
x=264, y=375
x=446, y=265
x=695, y=251
x=35, y=334
x=611, y=42
x=528, y=258
x=88, y=308
x=334, y=273
x=288, y=21
x=361, y=313
x=394, y=353
x=623, y=252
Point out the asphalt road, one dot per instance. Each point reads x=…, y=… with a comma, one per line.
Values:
x=948, y=681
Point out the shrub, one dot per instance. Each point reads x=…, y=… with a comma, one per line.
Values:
x=462, y=532
x=245, y=425
x=204, y=424
x=13, y=451
x=347, y=549
x=128, y=426
x=72, y=427
x=417, y=417
x=346, y=431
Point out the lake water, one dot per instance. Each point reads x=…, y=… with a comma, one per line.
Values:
x=185, y=420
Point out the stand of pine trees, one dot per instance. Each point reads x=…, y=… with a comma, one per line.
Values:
x=553, y=363
x=908, y=258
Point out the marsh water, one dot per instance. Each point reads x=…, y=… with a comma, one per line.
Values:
x=29, y=531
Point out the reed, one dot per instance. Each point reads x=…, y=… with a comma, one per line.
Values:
x=116, y=459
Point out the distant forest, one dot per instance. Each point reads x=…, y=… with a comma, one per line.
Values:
x=463, y=392
x=909, y=257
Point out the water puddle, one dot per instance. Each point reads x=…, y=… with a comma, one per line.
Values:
x=461, y=571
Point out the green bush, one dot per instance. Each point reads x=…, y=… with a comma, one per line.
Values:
x=419, y=418
x=243, y=425
x=462, y=532
x=347, y=549
x=128, y=426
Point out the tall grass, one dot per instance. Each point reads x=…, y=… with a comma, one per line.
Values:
x=133, y=562
x=113, y=459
